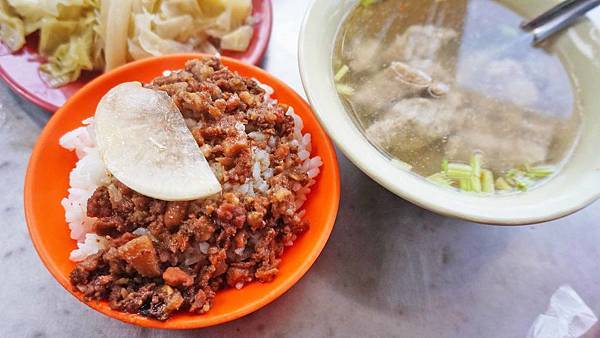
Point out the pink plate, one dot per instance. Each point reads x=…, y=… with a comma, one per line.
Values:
x=20, y=70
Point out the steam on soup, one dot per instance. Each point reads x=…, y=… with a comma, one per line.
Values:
x=453, y=90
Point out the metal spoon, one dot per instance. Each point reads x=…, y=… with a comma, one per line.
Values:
x=558, y=18
x=552, y=13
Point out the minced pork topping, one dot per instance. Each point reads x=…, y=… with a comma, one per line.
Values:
x=162, y=257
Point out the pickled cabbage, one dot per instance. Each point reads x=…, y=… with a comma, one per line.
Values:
x=78, y=35
x=164, y=27
x=213, y=8
x=115, y=31
x=69, y=59
x=54, y=33
x=238, y=40
x=12, y=29
x=66, y=29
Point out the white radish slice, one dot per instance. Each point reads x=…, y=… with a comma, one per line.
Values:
x=145, y=144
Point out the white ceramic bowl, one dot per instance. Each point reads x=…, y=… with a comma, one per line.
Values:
x=576, y=186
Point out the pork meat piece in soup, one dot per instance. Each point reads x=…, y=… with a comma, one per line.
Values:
x=432, y=90
x=520, y=137
x=412, y=124
x=408, y=120
x=410, y=46
x=396, y=82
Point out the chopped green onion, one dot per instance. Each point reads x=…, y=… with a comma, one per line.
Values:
x=487, y=181
x=518, y=179
x=475, y=183
x=341, y=73
x=501, y=184
x=476, y=164
x=344, y=89
x=521, y=184
x=512, y=173
x=459, y=171
x=473, y=177
x=440, y=179
x=539, y=172
x=445, y=165
x=465, y=184
x=366, y=3
x=510, y=181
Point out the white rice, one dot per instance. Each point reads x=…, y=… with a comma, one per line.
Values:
x=140, y=231
x=261, y=171
x=91, y=245
x=90, y=173
x=268, y=91
x=311, y=165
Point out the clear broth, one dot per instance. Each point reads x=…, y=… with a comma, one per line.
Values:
x=512, y=102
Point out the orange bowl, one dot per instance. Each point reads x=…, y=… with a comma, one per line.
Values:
x=48, y=179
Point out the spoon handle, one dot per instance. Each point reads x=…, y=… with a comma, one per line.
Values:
x=550, y=14
x=561, y=22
